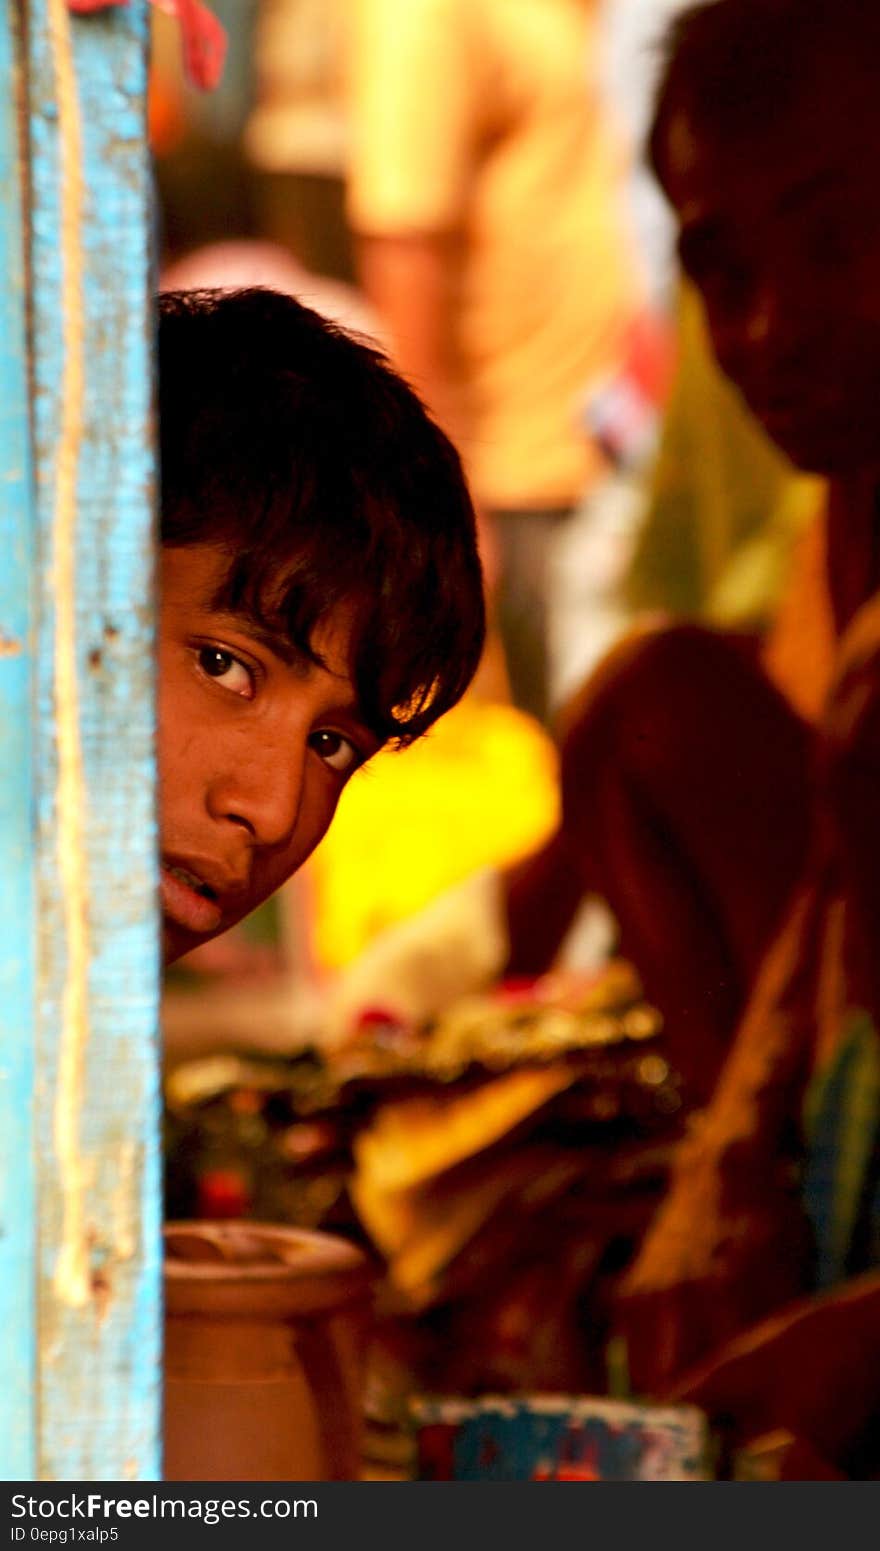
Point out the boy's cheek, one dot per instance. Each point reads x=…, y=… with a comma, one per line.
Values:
x=178, y=773
x=184, y=733
x=316, y=815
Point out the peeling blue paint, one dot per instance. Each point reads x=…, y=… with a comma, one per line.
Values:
x=98, y=1367
x=17, y=1186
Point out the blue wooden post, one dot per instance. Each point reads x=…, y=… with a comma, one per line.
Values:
x=17, y=956
x=86, y=979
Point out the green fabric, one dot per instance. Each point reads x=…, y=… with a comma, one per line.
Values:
x=725, y=508
x=841, y=1121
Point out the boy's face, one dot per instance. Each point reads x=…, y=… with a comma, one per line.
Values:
x=780, y=230
x=255, y=747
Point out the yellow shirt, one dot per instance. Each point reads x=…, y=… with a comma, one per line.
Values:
x=479, y=118
x=298, y=120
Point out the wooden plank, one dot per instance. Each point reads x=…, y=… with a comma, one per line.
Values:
x=17, y=1195
x=97, y=1112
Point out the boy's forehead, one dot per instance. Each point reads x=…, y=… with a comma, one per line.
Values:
x=194, y=571
x=196, y=577
x=192, y=579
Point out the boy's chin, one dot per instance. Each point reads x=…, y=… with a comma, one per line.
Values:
x=177, y=942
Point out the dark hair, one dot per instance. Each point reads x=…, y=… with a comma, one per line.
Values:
x=295, y=447
x=737, y=65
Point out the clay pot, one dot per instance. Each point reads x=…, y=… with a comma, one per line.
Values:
x=264, y=1340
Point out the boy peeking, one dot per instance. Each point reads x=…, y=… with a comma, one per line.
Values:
x=321, y=594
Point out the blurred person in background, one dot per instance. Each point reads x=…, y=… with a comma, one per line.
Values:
x=633, y=52
x=732, y=823
x=763, y=140
x=196, y=117
x=296, y=137
x=662, y=811
x=485, y=196
x=703, y=517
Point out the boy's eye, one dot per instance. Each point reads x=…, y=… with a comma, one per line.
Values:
x=227, y=670
x=336, y=751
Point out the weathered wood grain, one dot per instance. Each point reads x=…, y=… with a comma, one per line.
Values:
x=97, y=1113
x=17, y=1191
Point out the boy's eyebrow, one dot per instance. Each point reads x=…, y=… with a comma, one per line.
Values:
x=302, y=661
x=276, y=641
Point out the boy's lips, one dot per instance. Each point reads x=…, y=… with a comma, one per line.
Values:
x=184, y=905
x=188, y=898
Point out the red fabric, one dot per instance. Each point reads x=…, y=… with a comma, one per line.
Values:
x=203, y=39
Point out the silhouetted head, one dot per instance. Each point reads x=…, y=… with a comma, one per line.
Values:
x=767, y=141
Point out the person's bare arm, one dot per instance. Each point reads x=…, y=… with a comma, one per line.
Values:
x=410, y=280
x=813, y=1369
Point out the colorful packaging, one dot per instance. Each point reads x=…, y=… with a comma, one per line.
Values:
x=559, y=1438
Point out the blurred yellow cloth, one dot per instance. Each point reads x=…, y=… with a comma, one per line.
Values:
x=298, y=120
x=726, y=510
x=484, y=120
x=408, y=1188
x=481, y=790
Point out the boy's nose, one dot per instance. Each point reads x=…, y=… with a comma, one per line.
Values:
x=262, y=795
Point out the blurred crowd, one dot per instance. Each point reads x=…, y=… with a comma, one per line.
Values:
x=627, y=253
